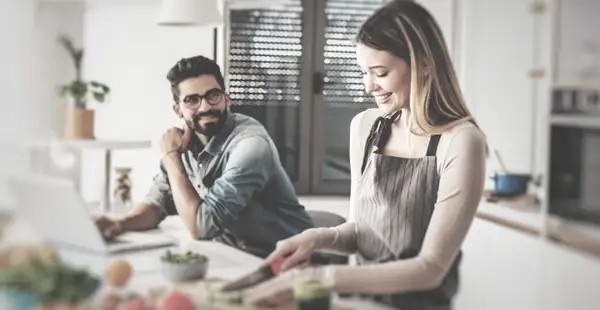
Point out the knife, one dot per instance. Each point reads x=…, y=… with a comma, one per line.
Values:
x=267, y=272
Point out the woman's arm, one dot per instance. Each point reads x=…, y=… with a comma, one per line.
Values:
x=459, y=194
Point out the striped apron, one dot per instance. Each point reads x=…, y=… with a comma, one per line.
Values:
x=395, y=200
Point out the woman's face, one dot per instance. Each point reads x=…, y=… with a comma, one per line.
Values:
x=386, y=77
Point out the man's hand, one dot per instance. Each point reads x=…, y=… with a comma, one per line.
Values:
x=108, y=227
x=175, y=140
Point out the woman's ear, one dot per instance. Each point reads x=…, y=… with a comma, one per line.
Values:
x=177, y=110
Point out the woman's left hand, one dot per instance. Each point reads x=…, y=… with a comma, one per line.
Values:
x=279, y=291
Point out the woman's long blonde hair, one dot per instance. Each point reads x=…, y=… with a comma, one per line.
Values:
x=407, y=30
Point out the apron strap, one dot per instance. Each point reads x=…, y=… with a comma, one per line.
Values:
x=433, y=145
x=379, y=135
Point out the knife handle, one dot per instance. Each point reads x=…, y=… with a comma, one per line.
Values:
x=276, y=266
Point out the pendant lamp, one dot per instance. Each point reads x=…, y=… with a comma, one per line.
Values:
x=190, y=13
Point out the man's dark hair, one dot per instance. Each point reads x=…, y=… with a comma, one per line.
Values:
x=192, y=67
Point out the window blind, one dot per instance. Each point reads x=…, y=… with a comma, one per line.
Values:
x=264, y=55
x=342, y=76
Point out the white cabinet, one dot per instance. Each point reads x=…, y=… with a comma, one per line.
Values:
x=578, y=45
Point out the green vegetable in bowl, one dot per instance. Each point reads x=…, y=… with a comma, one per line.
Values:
x=187, y=257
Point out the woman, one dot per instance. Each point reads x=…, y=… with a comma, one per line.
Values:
x=418, y=165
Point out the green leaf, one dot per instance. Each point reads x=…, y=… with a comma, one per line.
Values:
x=104, y=87
x=100, y=97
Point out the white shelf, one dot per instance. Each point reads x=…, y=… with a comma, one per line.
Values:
x=95, y=144
x=576, y=121
x=575, y=85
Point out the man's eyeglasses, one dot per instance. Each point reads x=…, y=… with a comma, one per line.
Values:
x=212, y=96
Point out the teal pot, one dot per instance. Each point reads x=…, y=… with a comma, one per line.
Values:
x=511, y=184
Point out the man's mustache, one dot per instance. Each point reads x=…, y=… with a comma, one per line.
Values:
x=216, y=113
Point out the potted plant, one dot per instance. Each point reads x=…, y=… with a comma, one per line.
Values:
x=80, y=118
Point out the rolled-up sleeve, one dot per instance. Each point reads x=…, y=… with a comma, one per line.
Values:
x=159, y=196
x=248, y=168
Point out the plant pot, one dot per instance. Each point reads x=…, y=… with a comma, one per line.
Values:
x=80, y=124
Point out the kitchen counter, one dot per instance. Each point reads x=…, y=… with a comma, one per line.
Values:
x=523, y=217
x=226, y=262
x=582, y=237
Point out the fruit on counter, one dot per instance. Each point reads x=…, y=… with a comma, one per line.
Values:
x=110, y=301
x=187, y=257
x=118, y=273
x=176, y=301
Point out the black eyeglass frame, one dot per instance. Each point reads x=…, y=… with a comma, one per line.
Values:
x=217, y=95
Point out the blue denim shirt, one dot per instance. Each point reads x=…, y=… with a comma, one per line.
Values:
x=248, y=201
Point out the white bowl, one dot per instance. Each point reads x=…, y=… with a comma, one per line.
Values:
x=182, y=272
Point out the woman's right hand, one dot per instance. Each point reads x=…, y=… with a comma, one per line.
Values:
x=295, y=251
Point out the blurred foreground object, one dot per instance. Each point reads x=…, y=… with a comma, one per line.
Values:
x=34, y=275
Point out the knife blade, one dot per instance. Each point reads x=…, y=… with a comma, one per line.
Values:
x=267, y=272
x=260, y=275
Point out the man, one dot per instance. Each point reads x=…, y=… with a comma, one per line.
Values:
x=221, y=173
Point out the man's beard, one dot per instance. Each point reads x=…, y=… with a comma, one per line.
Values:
x=208, y=129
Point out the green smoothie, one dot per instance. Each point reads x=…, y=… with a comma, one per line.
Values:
x=312, y=295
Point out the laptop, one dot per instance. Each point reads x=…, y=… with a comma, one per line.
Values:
x=60, y=214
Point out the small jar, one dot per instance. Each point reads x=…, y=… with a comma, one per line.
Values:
x=122, y=192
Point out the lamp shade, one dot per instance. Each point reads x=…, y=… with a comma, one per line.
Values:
x=190, y=13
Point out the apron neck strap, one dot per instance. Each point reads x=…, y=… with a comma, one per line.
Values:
x=433, y=145
x=379, y=135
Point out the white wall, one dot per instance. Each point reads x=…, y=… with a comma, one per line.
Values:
x=17, y=85
x=55, y=68
x=497, y=52
x=128, y=51
x=443, y=12
x=33, y=65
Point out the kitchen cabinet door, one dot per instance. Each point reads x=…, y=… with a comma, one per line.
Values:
x=499, y=48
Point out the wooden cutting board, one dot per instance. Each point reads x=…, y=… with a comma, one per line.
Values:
x=201, y=293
